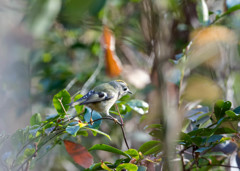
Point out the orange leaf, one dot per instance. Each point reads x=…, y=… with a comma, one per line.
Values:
x=79, y=154
x=113, y=64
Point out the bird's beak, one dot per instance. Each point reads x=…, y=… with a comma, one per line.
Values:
x=130, y=92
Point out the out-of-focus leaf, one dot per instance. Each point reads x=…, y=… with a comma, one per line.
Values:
x=95, y=131
x=35, y=119
x=108, y=148
x=237, y=110
x=208, y=90
x=127, y=166
x=202, y=12
x=79, y=154
x=72, y=130
x=42, y=15
x=185, y=139
x=133, y=153
x=154, y=149
x=147, y=146
x=214, y=138
x=52, y=116
x=95, y=116
x=142, y=168
x=65, y=98
x=202, y=149
x=225, y=131
x=29, y=151
x=232, y=115
x=229, y=11
x=113, y=63
x=158, y=126
x=209, y=154
x=197, y=140
x=156, y=133
x=139, y=106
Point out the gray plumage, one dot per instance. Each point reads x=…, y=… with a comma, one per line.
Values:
x=102, y=97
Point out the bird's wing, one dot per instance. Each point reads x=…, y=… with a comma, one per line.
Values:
x=92, y=97
x=96, y=97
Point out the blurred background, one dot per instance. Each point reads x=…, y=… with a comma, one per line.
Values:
x=174, y=55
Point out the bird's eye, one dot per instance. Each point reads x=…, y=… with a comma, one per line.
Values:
x=125, y=89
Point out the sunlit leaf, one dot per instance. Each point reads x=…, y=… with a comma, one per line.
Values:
x=65, y=98
x=79, y=108
x=133, y=153
x=127, y=166
x=108, y=148
x=95, y=131
x=79, y=154
x=105, y=167
x=221, y=107
x=139, y=106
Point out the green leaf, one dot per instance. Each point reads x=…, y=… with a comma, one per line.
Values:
x=230, y=10
x=79, y=108
x=185, y=139
x=105, y=167
x=95, y=131
x=133, y=153
x=156, y=133
x=225, y=131
x=29, y=151
x=158, y=126
x=201, y=132
x=232, y=115
x=65, y=98
x=36, y=119
x=202, y=149
x=148, y=145
x=127, y=166
x=72, y=130
x=52, y=117
x=96, y=166
x=197, y=140
x=214, y=138
x=108, y=148
x=220, y=108
x=84, y=133
x=153, y=150
x=139, y=106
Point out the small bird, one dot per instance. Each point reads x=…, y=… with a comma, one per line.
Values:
x=103, y=97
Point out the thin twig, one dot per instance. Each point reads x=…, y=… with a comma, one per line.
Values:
x=71, y=83
x=60, y=101
x=122, y=124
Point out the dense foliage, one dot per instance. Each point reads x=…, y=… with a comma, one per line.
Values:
x=180, y=59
